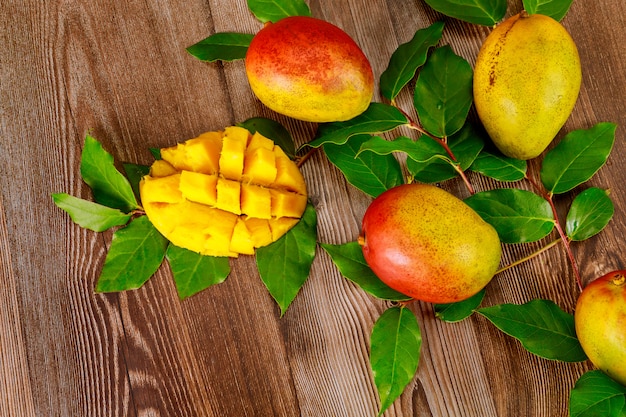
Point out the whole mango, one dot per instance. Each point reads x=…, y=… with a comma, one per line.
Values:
x=426, y=243
x=309, y=69
x=526, y=82
x=600, y=319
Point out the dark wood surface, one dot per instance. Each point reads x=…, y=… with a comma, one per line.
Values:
x=120, y=71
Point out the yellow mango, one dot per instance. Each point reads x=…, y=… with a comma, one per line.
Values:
x=162, y=168
x=177, y=157
x=287, y=204
x=198, y=187
x=228, y=195
x=234, y=145
x=203, y=153
x=288, y=175
x=281, y=225
x=256, y=201
x=260, y=167
x=161, y=189
x=241, y=241
x=259, y=141
x=260, y=231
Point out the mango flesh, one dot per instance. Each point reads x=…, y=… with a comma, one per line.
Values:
x=526, y=82
x=600, y=319
x=224, y=193
x=310, y=70
x=426, y=243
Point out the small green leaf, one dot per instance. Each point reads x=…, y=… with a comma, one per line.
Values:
x=480, y=12
x=443, y=92
x=135, y=173
x=377, y=118
x=274, y=10
x=413, y=149
x=595, y=394
x=369, y=172
x=499, y=167
x=556, y=9
x=348, y=258
x=407, y=58
x=194, y=272
x=578, y=156
x=395, y=351
x=461, y=310
x=518, y=216
x=541, y=326
x=284, y=265
x=221, y=46
x=272, y=130
x=90, y=215
x=590, y=212
x=135, y=254
x=109, y=186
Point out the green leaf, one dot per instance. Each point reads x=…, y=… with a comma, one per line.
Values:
x=284, y=265
x=460, y=310
x=480, y=12
x=595, y=394
x=109, y=186
x=135, y=254
x=90, y=215
x=413, y=149
x=274, y=10
x=443, y=92
x=499, y=167
x=377, y=118
x=135, y=173
x=541, y=326
x=578, y=156
x=369, y=172
x=590, y=212
x=396, y=341
x=194, y=272
x=407, y=58
x=518, y=216
x=272, y=130
x=221, y=46
x=349, y=260
x=556, y=9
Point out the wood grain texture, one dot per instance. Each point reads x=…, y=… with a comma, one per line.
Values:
x=120, y=71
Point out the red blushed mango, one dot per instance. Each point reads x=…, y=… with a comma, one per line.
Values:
x=310, y=70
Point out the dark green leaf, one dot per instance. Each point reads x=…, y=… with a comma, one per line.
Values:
x=590, y=212
x=395, y=351
x=413, y=149
x=369, y=172
x=274, y=10
x=461, y=310
x=443, y=92
x=348, y=258
x=578, y=156
x=556, y=9
x=90, y=215
x=518, y=216
x=194, y=272
x=109, y=186
x=541, y=326
x=222, y=46
x=272, y=130
x=135, y=254
x=156, y=153
x=595, y=395
x=407, y=58
x=499, y=167
x=480, y=12
x=284, y=265
x=377, y=118
x=135, y=173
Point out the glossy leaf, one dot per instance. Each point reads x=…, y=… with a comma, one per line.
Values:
x=90, y=215
x=499, y=167
x=518, y=216
x=541, y=326
x=377, y=118
x=135, y=254
x=109, y=186
x=556, y=9
x=412, y=148
x=461, y=310
x=595, y=394
x=480, y=12
x=274, y=10
x=394, y=355
x=407, y=58
x=221, y=46
x=443, y=92
x=578, y=156
x=349, y=260
x=272, y=130
x=194, y=272
x=284, y=265
x=135, y=173
x=590, y=212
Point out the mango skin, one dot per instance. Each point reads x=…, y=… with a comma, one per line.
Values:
x=426, y=243
x=526, y=82
x=600, y=319
x=310, y=70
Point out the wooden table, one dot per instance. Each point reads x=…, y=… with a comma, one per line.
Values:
x=120, y=71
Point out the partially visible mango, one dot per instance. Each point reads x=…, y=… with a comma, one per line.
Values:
x=309, y=69
x=526, y=82
x=224, y=193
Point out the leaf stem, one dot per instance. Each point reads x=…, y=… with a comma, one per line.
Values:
x=305, y=157
x=529, y=257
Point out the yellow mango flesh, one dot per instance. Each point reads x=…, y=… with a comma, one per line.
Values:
x=224, y=193
x=526, y=82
